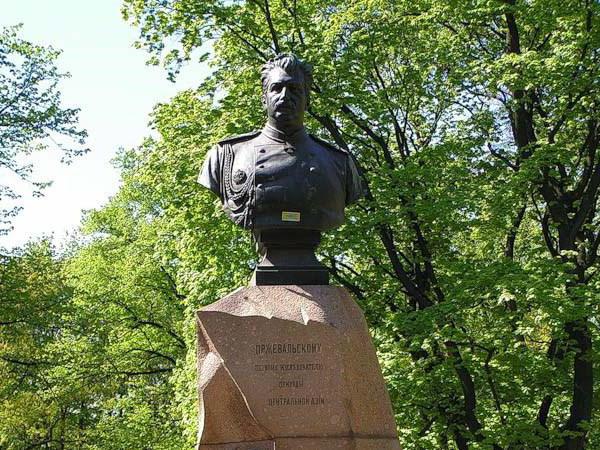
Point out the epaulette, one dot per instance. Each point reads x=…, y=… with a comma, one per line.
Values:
x=328, y=145
x=239, y=137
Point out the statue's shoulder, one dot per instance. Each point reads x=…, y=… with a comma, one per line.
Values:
x=239, y=138
x=327, y=145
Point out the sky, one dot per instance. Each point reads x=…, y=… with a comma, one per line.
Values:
x=115, y=91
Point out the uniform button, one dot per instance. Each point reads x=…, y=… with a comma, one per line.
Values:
x=262, y=150
x=261, y=166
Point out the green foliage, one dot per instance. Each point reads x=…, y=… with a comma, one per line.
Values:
x=35, y=301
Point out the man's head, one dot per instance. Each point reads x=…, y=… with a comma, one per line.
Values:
x=286, y=83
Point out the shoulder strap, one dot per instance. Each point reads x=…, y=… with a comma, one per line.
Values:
x=239, y=137
x=328, y=145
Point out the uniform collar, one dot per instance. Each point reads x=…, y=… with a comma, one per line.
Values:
x=278, y=136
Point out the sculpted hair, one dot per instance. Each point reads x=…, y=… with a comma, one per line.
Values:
x=290, y=63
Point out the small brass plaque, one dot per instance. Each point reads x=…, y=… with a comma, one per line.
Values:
x=290, y=216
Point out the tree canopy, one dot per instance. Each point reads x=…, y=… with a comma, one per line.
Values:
x=474, y=254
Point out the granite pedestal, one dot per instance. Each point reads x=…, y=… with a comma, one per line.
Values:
x=290, y=368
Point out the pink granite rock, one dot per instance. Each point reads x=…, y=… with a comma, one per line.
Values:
x=290, y=368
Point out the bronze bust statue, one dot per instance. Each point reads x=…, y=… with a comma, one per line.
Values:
x=282, y=183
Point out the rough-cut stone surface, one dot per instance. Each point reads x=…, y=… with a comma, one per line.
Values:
x=290, y=368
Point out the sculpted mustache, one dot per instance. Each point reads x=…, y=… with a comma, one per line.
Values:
x=285, y=105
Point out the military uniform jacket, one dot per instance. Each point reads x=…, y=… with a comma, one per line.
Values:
x=269, y=180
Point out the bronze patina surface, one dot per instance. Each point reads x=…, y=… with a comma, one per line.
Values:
x=283, y=179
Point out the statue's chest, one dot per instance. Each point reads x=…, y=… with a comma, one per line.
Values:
x=268, y=163
x=282, y=174
x=279, y=162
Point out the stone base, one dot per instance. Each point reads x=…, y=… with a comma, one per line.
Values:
x=290, y=368
x=310, y=444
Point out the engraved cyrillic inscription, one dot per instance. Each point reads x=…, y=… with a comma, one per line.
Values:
x=273, y=348
x=294, y=368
